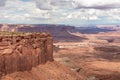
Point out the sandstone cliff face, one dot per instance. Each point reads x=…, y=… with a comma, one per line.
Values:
x=22, y=52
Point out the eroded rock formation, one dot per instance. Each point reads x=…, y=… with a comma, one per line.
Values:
x=22, y=52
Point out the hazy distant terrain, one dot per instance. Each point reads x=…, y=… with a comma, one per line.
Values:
x=98, y=57
x=92, y=30
x=92, y=52
x=60, y=32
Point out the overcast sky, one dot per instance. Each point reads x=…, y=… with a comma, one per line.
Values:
x=72, y=12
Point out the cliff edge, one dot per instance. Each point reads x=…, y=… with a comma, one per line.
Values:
x=21, y=52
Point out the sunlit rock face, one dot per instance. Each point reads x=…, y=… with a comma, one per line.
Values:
x=4, y=27
x=21, y=52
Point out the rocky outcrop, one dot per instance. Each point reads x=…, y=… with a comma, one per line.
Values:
x=5, y=27
x=22, y=52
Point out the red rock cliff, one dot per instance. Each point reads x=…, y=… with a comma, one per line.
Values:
x=22, y=52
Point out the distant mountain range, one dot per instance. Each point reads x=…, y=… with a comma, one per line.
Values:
x=59, y=32
x=93, y=30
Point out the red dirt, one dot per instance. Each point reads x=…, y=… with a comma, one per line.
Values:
x=48, y=71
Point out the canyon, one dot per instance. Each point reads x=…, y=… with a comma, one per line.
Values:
x=29, y=56
x=80, y=53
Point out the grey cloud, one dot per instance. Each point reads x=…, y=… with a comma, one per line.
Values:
x=2, y=2
x=71, y=4
x=43, y=4
x=50, y=4
x=62, y=3
x=38, y=18
x=100, y=7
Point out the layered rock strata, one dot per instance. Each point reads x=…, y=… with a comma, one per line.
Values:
x=20, y=52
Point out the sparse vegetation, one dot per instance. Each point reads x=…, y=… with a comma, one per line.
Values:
x=18, y=33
